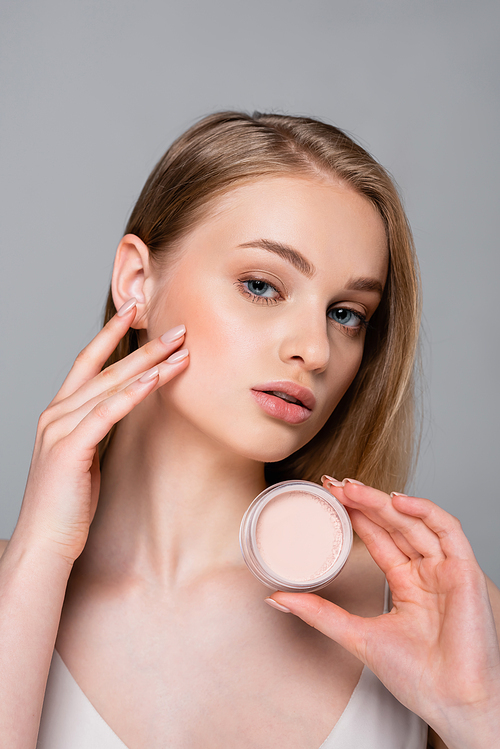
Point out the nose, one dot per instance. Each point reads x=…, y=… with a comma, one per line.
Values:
x=305, y=340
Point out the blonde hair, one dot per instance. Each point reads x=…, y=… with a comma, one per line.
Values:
x=370, y=435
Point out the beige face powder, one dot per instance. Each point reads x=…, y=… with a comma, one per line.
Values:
x=299, y=535
x=296, y=536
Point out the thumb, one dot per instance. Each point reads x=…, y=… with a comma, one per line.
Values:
x=348, y=630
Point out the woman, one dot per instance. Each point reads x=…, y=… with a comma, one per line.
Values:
x=275, y=254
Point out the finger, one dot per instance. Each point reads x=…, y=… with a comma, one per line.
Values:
x=123, y=372
x=405, y=546
x=396, y=536
x=408, y=531
x=94, y=356
x=349, y=630
x=393, y=538
x=447, y=528
x=95, y=484
x=380, y=544
x=89, y=424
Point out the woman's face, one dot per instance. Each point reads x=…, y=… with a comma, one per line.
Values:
x=275, y=289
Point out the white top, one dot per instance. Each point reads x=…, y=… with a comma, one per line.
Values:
x=372, y=719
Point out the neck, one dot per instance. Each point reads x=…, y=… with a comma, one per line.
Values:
x=171, y=501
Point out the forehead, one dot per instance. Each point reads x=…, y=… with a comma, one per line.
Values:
x=324, y=220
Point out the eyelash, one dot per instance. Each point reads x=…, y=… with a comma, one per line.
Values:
x=256, y=299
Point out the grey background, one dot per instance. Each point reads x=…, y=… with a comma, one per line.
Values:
x=93, y=92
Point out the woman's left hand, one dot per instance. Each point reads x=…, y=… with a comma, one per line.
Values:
x=437, y=650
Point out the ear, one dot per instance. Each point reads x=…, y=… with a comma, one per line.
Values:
x=131, y=277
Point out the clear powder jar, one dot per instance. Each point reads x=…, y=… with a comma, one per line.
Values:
x=295, y=536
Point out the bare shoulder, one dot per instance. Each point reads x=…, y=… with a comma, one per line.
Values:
x=3, y=545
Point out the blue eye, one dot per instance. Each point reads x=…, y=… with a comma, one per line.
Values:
x=260, y=288
x=346, y=317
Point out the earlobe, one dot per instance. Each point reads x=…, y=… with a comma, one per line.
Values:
x=131, y=271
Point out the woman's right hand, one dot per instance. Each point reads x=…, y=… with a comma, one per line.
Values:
x=64, y=478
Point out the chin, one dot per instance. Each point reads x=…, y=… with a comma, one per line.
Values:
x=268, y=445
x=241, y=432
x=269, y=454
x=261, y=445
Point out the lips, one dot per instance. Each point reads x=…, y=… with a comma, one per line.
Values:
x=285, y=400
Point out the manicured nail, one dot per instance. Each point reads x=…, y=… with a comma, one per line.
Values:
x=178, y=356
x=277, y=605
x=174, y=334
x=331, y=481
x=150, y=375
x=352, y=481
x=127, y=307
x=397, y=494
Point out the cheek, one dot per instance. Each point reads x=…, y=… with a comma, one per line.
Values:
x=224, y=344
x=344, y=369
x=216, y=335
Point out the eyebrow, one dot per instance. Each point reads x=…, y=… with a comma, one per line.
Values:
x=286, y=252
x=365, y=284
x=298, y=260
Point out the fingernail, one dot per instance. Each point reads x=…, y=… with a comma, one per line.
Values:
x=331, y=480
x=149, y=375
x=178, y=356
x=277, y=605
x=352, y=481
x=397, y=494
x=174, y=334
x=127, y=307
